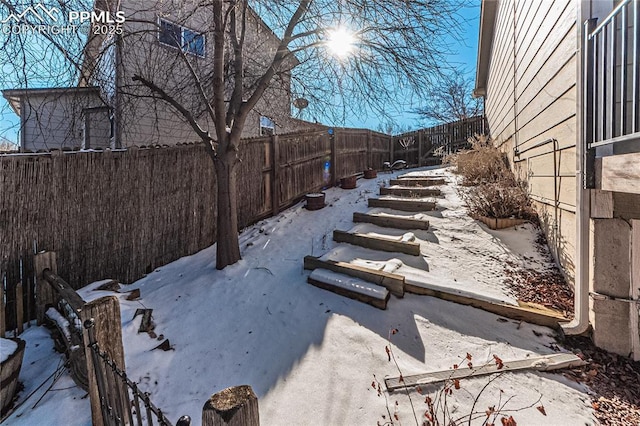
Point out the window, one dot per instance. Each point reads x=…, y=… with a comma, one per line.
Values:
x=177, y=36
x=267, y=126
x=193, y=42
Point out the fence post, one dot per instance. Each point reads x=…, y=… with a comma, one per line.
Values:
x=234, y=406
x=19, y=308
x=392, y=143
x=334, y=157
x=2, y=308
x=44, y=292
x=369, y=153
x=420, y=148
x=108, y=335
x=275, y=175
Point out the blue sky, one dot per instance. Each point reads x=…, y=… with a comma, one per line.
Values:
x=464, y=55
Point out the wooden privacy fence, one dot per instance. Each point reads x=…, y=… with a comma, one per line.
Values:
x=417, y=147
x=120, y=214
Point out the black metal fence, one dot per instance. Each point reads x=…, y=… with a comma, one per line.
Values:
x=133, y=408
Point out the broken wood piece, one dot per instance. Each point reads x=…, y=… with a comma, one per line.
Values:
x=403, y=205
x=111, y=285
x=134, y=294
x=392, y=282
x=540, y=363
x=234, y=406
x=391, y=221
x=351, y=287
x=146, y=324
x=410, y=192
x=417, y=181
x=165, y=346
x=377, y=243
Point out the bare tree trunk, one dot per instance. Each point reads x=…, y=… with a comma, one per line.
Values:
x=228, y=248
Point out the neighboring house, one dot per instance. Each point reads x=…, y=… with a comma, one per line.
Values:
x=109, y=109
x=60, y=118
x=562, y=100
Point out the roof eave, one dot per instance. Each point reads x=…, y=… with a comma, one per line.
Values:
x=485, y=41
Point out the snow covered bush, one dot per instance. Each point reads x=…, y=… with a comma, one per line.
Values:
x=495, y=192
x=483, y=163
x=501, y=199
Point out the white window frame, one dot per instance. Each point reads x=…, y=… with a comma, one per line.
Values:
x=273, y=127
x=181, y=41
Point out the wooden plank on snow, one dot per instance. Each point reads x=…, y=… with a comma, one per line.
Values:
x=402, y=205
x=377, y=243
x=540, y=363
x=391, y=221
x=417, y=182
x=392, y=282
x=527, y=312
x=410, y=192
x=351, y=287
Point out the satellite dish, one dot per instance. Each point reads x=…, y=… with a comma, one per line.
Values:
x=301, y=103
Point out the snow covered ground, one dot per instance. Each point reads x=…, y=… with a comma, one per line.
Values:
x=311, y=355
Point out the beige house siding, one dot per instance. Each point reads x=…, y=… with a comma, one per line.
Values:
x=530, y=98
x=145, y=121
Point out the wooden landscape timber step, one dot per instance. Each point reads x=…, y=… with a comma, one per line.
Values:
x=351, y=287
x=417, y=182
x=402, y=205
x=377, y=243
x=410, y=192
x=527, y=312
x=391, y=221
x=392, y=282
x=540, y=363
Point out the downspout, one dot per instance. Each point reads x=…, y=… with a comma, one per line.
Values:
x=580, y=322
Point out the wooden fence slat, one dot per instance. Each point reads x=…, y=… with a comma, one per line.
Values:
x=108, y=334
x=19, y=308
x=3, y=324
x=44, y=293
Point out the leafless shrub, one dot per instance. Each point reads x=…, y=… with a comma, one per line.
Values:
x=501, y=199
x=483, y=163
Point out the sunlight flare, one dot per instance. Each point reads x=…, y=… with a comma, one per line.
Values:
x=340, y=42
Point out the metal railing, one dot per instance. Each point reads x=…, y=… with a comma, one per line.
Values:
x=611, y=77
x=116, y=409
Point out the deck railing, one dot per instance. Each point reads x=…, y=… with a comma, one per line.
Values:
x=611, y=80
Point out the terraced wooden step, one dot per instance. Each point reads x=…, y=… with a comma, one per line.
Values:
x=403, y=205
x=391, y=221
x=351, y=287
x=417, y=181
x=529, y=312
x=377, y=243
x=392, y=282
x=410, y=192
